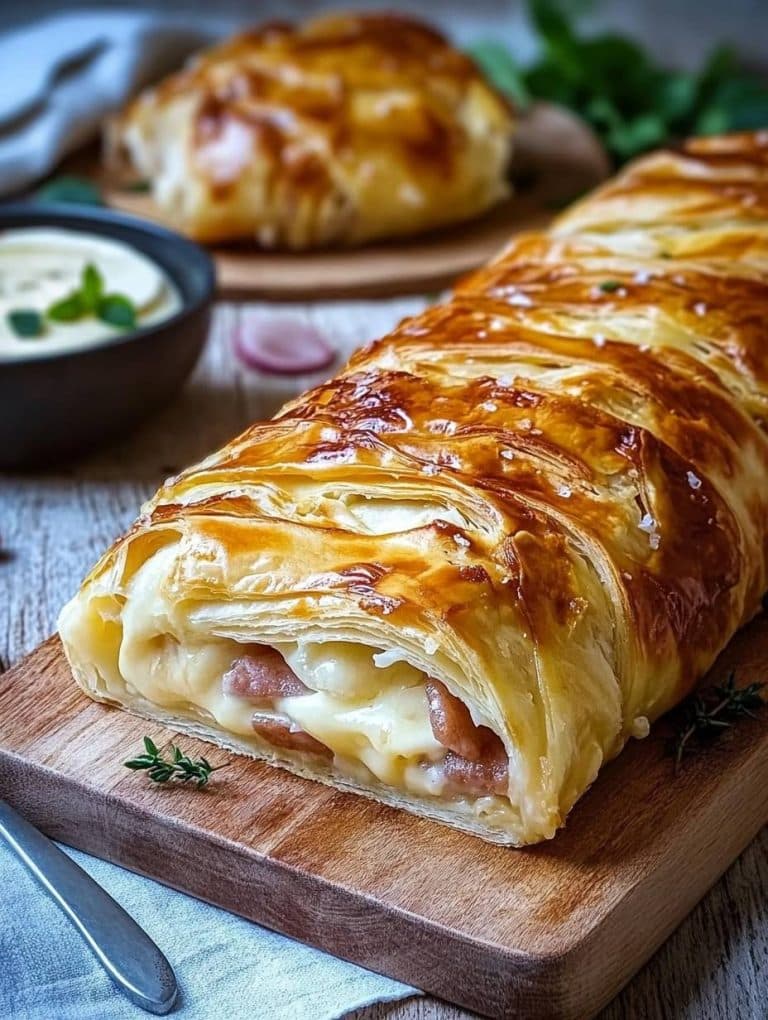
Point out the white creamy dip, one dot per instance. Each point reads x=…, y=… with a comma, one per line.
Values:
x=40, y=266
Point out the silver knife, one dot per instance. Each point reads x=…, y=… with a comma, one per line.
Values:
x=124, y=950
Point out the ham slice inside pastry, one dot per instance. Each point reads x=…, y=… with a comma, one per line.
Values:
x=263, y=678
x=474, y=762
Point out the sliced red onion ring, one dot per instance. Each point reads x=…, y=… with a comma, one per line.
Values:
x=282, y=345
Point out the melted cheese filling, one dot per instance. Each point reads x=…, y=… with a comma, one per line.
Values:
x=367, y=706
x=375, y=714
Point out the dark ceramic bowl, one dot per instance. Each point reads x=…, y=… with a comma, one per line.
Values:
x=53, y=408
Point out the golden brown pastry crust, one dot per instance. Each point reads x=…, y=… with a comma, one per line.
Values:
x=592, y=404
x=339, y=130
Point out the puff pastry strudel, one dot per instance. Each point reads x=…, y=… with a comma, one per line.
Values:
x=340, y=130
x=502, y=541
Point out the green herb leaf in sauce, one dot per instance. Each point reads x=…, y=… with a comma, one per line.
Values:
x=91, y=287
x=68, y=309
x=609, y=286
x=117, y=310
x=26, y=323
x=70, y=189
x=90, y=299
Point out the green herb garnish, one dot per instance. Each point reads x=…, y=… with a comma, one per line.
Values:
x=498, y=65
x=117, y=310
x=180, y=767
x=89, y=299
x=67, y=309
x=70, y=189
x=632, y=103
x=706, y=715
x=91, y=287
x=609, y=286
x=26, y=323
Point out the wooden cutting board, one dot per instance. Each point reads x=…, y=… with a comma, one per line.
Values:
x=429, y=262
x=553, y=931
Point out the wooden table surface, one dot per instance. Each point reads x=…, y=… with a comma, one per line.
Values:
x=53, y=526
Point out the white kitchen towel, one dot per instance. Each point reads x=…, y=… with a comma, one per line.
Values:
x=59, y=78
x=226, y=967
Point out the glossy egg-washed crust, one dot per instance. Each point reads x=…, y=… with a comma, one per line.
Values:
x=594, y=404
x=336, y=131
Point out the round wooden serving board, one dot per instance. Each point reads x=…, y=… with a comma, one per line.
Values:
x=556, y=155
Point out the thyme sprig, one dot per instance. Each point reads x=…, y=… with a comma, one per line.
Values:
x=706, y=715
x=180, y=766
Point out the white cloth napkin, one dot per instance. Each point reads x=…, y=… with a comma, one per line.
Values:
x=59, y=77
x=226, y=967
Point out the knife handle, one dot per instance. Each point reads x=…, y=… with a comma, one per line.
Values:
x=124, y=950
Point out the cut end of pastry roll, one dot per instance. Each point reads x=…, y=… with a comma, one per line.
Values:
x=328, y=706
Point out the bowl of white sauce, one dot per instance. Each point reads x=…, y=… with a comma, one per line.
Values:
x=102, y=318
